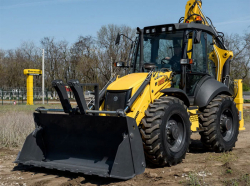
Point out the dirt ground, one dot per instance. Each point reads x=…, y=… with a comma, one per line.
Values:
x=199, y=168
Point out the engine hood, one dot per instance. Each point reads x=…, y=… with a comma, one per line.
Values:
x=128, y=82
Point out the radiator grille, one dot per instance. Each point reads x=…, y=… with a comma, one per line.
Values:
x=115, y=100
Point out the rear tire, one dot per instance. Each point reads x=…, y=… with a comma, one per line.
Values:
x=221, y=123
x=166, y=131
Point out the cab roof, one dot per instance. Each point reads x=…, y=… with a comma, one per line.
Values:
x=176, y=27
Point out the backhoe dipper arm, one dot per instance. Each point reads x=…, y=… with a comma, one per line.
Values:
x=61, y=91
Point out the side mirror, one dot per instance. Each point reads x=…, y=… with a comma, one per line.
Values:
x=117, y=41
x=119, y=64
x=197, y=36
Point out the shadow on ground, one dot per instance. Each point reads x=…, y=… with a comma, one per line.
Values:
x=73, y=178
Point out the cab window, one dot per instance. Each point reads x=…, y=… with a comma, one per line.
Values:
x=199, y=55
x=211, y=57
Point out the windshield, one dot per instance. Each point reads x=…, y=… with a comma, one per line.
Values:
x=164, y=50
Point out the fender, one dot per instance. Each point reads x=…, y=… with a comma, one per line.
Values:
x=207, y=89
x=177, y=93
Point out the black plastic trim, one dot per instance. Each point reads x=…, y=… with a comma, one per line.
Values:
x=177, y=93
x=208, y=89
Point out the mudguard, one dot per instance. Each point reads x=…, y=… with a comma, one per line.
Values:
x=207, y=89
x=177, y=93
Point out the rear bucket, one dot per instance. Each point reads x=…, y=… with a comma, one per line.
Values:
x=93, y=145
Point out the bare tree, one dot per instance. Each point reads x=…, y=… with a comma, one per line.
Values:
x=240, y=45
x=108, y=51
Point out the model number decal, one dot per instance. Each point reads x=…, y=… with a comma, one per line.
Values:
x=161, y=81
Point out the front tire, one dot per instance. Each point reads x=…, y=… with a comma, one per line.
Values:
x=220, y=121
x=166, y=131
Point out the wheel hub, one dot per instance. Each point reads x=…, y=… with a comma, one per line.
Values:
x=226, y=123
x=173, y=131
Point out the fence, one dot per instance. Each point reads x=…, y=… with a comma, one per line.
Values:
x=246, y=95
x=18, y=96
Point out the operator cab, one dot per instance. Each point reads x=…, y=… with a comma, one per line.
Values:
x=165, y=46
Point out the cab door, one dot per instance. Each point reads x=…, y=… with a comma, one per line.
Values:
x=203, y=65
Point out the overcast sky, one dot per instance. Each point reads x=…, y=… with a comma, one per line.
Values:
x=31, y=20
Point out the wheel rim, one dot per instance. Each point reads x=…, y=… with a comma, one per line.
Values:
x=226, y=125
x=175, y=132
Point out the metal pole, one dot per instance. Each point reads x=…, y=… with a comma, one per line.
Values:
x=47, y=96
x=43, y=76
x=18, y=96
x=111, y=68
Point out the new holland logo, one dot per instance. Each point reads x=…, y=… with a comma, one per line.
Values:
x=115, y=98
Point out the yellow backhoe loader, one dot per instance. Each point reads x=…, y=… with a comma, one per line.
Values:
x=178, y=83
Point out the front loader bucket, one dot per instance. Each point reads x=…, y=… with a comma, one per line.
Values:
x=95, y=145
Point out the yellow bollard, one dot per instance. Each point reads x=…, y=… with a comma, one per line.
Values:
x=30, y=73
x=239, y=101
x=29, y=90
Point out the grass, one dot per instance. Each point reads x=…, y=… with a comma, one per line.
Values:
x=232, y=182
x=16, y=123
x=246, y=179
x=14, y=128
x=24, y=108
x=225, y=157
x=243, y=180
x=246, y=113
x=246, y=101
x=193, y=180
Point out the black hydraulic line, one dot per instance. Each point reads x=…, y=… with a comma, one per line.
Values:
x=226, y=72
x=215, y=31
x=136, y=53
x=61, y=91
x=97, y=112
x=126, y=37
x=129, y=55
x=196, y=15
x=78, y=92
x=102, y=92
x=138, y=92
x=181, y=19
